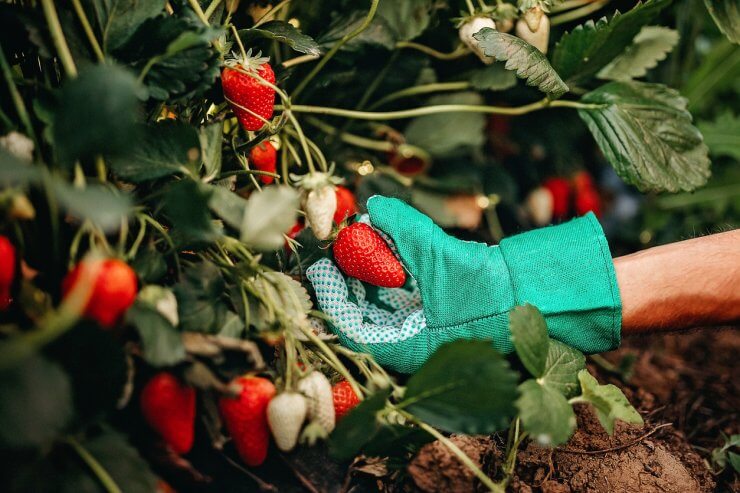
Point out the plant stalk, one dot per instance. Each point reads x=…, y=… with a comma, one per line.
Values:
x=57, y=36
x=105, y=479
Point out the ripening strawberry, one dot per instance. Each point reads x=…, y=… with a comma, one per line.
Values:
x=346, y=204
x=321, y=203
x=345, y=399
x=7, y=271
x=285, y=415
x=317, y=389
x=559, y=188
x=250, y=100
x=168, y=406
x=469, y=28
x=113, y=293
x=245, y=417
x=361, y=253
x=263, y=157
x=534, y=28
x=588, y=200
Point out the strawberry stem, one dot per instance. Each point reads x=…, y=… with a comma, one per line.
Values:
x=199, y=12
x=577, y=13
x=270, y=13
x=458, y=52
x=105, y=479
x=422, y=89
x=441, y=108
x=88, y=30
x=57, y=36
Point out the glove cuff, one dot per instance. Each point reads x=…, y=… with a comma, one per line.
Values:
x=567, y=272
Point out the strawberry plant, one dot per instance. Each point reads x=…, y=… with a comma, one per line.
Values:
x=169, y=171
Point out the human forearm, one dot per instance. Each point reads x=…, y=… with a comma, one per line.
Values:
x=687, y=284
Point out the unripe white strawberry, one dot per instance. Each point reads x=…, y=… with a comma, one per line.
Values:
x=285, y=415
x=320, y=206
x=539, y=206
x=534, y=28
x=317, y=389
x=472, y=26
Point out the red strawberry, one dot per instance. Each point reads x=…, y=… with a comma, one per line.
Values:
x=583, y=180
x=560, y=190
x=264, y=158
x=408, y=165
x=113, y=293
x=246, y=418
x=7, y=271
x=244, y=92
x=346, y=204
x=588, y=200
x=169, y=407
x=360, y=252
x=345, y=399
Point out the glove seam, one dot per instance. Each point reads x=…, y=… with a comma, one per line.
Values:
x=592, y=221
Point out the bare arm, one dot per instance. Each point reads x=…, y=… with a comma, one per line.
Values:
x=691, y=283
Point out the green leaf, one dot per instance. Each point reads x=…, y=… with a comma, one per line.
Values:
x=408, y=19
x=96, y=114
x=726, y=14
x=492, y=77
x=529, y=335
x=589, y=47
x=721, y=135
x=185, y=204
x=164, y=149
x=396, y=441
x=445, y=134
x=283, y=32
x=377, y=35
x=528, y=61
x=734, y=460
x=198, y=294
x=174, y=57
x=608, y=401
x=233, y=326
x=35, y=403
x=118, y=20
x=358, y=427
x=228, y=206
x=717, y=75
x=211, y=144
x=651, y=45
x=645, y=132
x=545, y=413
x=101, y=205
x=268, y=215
x=160, y=340
x=561, y=368
x=121, y=461
x=465, y=387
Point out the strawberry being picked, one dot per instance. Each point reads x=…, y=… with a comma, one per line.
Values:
x=251, y=101
x=245, y=417
x=263, y=157
x=169, y=407
x=362, y=253
x=113, y=292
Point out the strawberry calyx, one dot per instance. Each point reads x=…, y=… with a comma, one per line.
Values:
x=246, y=62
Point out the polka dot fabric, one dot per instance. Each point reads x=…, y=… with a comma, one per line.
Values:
x=360, y=320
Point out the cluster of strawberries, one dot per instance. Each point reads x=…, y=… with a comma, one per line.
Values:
x=557, y=198
x=169, y=406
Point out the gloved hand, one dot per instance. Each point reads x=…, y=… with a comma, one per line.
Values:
x=466, y=289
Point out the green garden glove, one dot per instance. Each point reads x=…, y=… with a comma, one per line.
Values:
x=466, y=289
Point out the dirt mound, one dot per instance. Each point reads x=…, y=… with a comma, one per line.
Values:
x=635, y=459
x=435, y=468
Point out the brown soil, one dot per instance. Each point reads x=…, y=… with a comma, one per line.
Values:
x=684, y=387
